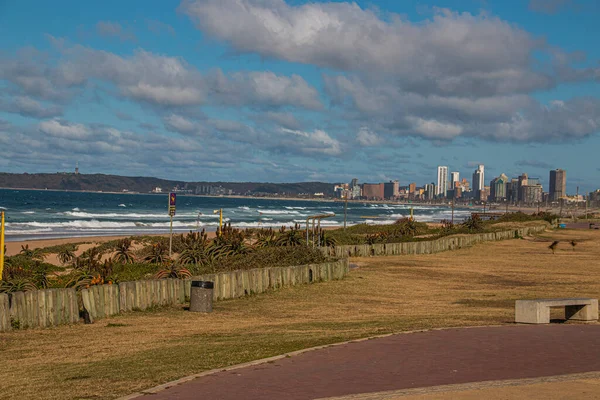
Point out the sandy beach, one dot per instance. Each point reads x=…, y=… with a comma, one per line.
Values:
x=14, y=247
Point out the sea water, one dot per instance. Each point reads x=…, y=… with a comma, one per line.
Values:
x=45, y=214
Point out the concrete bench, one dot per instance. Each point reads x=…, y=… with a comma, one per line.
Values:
x=538, y=311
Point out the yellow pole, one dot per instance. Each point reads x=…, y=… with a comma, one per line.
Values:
x=220, y=221
x=220, y=211
x=1, y=245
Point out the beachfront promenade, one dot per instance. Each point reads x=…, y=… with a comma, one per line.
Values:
x=394, y=366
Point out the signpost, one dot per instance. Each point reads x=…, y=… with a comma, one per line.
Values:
x=172, y=203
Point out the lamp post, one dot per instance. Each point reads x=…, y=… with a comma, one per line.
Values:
x=345, y=210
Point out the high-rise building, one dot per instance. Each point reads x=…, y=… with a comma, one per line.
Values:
x=391, y=189
x=498, y=188
x=558, y=184
x=442, y=181
x=430, y=191
x=523, y=181
x=531, y=194
x=373, y=191
x=478, y=180
x=454, y=177
x=412, y=188
x=353, y=183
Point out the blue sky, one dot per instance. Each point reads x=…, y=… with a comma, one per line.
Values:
x=274, y=90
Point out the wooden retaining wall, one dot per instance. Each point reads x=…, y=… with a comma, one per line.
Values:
x=428, y=247
x=38, y=308
x=105, y=300
x=50, y=307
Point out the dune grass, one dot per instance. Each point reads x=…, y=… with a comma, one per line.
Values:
x=468, y=287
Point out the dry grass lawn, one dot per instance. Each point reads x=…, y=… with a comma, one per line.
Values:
x=475, y=286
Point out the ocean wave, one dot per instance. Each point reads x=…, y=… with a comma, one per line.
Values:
x=27, y=232
x=280, y=212
x=244, y=208
x=323, y=222
x=28, y=212
x=122, y=205
x=134, y=215
x=76, y=224
x=76, y=209
x=379, y=221
x=296, y=208
x=95, y=224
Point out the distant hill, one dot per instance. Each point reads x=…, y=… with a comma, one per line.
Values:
x=115, y=183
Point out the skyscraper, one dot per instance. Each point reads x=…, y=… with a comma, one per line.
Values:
x=391, y=189
x=523, y=181
x=373, y=191
x=498, y=188
x=454, y=177
x=558, y=184
x=442, y=181
x=478, y=180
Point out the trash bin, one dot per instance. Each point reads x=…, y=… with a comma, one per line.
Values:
x=201, y=296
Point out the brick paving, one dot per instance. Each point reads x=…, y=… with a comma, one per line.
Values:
x=405, y=361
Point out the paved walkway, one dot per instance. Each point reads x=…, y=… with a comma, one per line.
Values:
x=404, y=361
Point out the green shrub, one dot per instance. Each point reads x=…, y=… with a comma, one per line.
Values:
x=267, y=257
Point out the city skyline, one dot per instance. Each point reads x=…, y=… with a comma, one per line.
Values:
x=523, y=189
x=255, y=90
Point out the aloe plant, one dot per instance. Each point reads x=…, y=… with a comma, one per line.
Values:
x=123, y=253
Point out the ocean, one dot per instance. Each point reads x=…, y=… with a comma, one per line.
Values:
x=45, y=214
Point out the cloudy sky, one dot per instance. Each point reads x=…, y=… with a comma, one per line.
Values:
x=288, y=90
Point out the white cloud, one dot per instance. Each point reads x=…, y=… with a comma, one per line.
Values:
x=284, y=119
x=317, y=141
x=166, y=81
x=449, y=53
x=64, y=129
x=177, y=123
x=366, y=137
x=435, y=129
x=28, y=107
x=263, y=89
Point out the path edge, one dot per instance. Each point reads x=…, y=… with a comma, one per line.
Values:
x=164, y=386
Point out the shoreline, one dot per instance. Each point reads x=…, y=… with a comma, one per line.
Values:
x=488, y=207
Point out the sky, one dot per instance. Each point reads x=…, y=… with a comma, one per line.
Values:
x=289, y=90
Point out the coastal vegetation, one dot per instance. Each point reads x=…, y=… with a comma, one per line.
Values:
x=468, y=287
x=147, y=257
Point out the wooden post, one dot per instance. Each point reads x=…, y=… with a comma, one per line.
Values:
x=4, y=313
